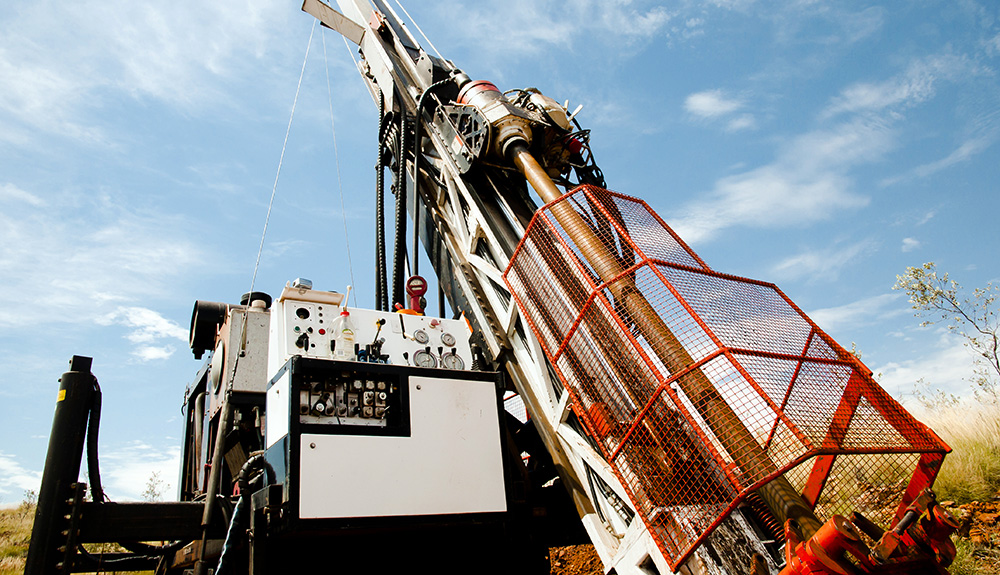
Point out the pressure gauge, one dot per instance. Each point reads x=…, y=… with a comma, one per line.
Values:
x=424, y=358
x=452, y=360
x=421, y=336
x=447, y=339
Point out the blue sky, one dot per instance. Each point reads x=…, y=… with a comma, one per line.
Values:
x=821, y=146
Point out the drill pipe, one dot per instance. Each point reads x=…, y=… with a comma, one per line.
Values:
x=779, y=495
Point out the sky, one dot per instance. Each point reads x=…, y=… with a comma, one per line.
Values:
x=821, y=146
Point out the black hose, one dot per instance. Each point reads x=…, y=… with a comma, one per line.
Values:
x=97, y=489
x=93, y=432
x=125, y=563
x=399, y=242
x=381, y=292
x=237, y=524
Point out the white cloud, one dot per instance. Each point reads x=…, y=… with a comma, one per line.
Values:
x=963, y=153
x=147, y=325
x=146, y=328
x=711, y=104
x=910, y=244
x=127, y=469
x=741, y=122
x=861, y=25
x=9, y=193
x=85, y=257
x=911, y=87
x=949, y=368
x=821, y=264
x=15, y=479
x=530, y=27
x=178, y=52
x=993, y=44
x=857, y=313
x=125, y=472
x=152, y=353
x=807, y=182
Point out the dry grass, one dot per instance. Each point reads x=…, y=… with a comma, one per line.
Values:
x=15, y=532
x=971, y=472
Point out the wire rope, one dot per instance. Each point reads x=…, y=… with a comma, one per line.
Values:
x=340, y=183
x=281, y=158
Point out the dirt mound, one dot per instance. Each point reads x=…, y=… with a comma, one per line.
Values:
x=575, y=560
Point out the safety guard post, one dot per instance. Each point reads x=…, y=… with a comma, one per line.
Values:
x=49, y=534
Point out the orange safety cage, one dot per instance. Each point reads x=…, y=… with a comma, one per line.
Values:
x=700, y=387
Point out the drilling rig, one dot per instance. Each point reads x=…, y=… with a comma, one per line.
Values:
x=599, y=383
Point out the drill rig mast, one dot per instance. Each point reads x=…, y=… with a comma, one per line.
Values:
x=680, y=419
x=683, y=390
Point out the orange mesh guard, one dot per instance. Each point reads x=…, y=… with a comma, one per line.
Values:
x=729, y=386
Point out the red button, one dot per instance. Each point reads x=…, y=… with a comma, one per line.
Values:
x=322, y=332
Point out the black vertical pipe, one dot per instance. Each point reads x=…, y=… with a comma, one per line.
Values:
x=62, y=469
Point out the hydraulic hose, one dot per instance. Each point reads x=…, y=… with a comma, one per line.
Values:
x=399, y=241
x=381, y=297
x=97, y=489
x=237, y=524
x=93, y=432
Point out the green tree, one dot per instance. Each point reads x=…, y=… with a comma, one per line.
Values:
x=972, y=317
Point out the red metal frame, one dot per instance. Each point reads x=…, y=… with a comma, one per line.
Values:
x=800, y=395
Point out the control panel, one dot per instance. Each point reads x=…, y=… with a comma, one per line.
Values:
x=317, y=324
x=352, y=440
x=351, y=398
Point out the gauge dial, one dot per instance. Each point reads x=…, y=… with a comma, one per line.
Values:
x=448, y=339
x=452, y=360
x=424, y=358
x=421, y=336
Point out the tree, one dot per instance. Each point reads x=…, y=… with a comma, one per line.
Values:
x=973, y=318
x=154, y=488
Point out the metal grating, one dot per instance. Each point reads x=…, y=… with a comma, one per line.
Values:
x=698, y=386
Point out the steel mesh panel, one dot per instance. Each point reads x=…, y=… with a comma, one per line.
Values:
x=649, y=235
x=698, y=386
x=871, y=484
x=552, y=299
x=869, y=427
x=671, y=310
x=742, y=314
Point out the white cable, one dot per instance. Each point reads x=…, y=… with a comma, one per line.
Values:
x=281, y=158
x=417, y=26
x=340, y=183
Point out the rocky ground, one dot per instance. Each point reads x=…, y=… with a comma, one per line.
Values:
x=575, y=560
x=978, y=540
x=978, y=537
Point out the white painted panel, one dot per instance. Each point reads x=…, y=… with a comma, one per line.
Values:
x=450, y=464
x=276, y=420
